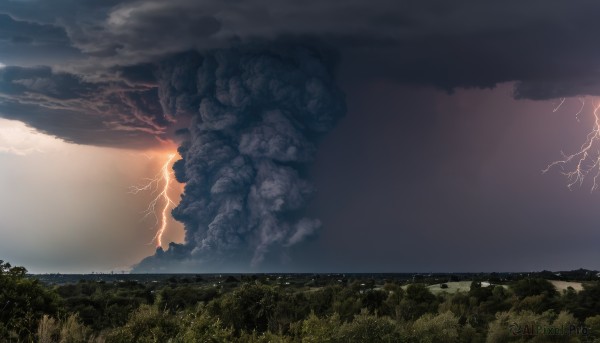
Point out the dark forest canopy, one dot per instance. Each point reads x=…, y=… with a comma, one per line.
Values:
x=300, y=308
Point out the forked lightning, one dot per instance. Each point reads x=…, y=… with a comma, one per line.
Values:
x=154, y=185
x=577, y=166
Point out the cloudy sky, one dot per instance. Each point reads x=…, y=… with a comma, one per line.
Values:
x=316, y=136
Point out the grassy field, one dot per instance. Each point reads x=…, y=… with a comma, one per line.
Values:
x=453, y=287
x=464, y=286
x=563, y=285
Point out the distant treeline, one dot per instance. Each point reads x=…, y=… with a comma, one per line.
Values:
x=298, y=308
x=325, y=278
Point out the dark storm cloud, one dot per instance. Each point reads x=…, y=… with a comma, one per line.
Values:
x=29, y=42
x=546, y=47
x=77, y=20
x=258, y=112
x=23, y=32
x=65, y=105
x=257, y=85
x=446, y=44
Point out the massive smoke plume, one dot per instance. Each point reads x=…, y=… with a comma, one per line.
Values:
x=256, y=117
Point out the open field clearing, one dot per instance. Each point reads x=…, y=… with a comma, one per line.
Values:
x=453, y=287
x=563, y=285
x=464, y=286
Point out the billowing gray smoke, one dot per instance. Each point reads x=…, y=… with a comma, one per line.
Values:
x=256, y=117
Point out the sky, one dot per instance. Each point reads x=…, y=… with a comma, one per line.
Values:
x=377, y=136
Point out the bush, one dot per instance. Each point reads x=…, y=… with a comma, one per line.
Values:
x=72, y=331
x=431, y=328
x=146, y=325
x=369, y=328
x=48, y=330
x=516, y=326
x=320, y=330
x=201, y=327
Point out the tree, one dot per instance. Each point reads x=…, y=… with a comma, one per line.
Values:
x=536, y=295
x=417, y=301
x=588, y=301
x=593, y=325
x=182, y=297
x=249, y=307
x=534, y=286
x=23, y=302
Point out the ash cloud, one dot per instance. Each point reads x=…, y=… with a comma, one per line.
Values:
x=257, y=115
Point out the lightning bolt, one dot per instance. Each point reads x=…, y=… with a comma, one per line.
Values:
x=562, y=101
x=581, y=109
x=158, y=186
x=585, y=161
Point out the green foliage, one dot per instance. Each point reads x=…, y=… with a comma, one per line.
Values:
x=263, y=309
x=146, y=325
x=321, y=301
x=373, y=300
x=290, y=308
x=320, y=330
x=48, y=330
x=23, y=302
x=531, y=287
x=564, y=319
x=417, y=301
x=391, y=305
x=588, y=301
x=369, y=328
x=431, y=328
x=73, y=331
x=537, y=295
x=249, y=307
x=459, y=304
x=183, y=297
x=346, y=302
x=593, y=324
x=569, y=300
x=469, y=334
x=201, y=327
x=102, y=305
x=363, y=328
x=518, y=326
x=478, y=292
x=69, y=330
x=266, y=337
